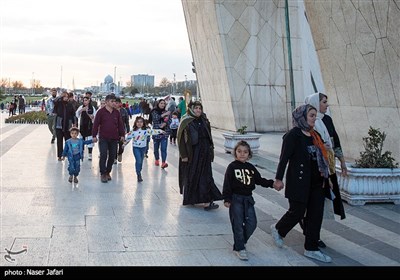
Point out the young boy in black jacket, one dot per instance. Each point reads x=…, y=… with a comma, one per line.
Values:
x=241, y=178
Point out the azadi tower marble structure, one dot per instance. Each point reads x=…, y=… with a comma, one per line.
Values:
x=256, y=60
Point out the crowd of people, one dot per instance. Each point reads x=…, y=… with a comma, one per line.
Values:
x=307, y=159
x=16, y=105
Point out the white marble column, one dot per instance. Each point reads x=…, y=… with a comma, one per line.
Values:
x=358, y=45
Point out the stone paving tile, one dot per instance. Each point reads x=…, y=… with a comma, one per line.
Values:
x=71, y=211
x=369, y=229
x=262, y=217
x=103, y=234
x=196, y=214
x=224, y=257
x=150, y=215
x=155, y=258
x=49, y=220
x=378, y=220
x=129, y=226
x=69, y=247
x=174, y=243
x=36, y=255
x=16, y=204
x=384, y=211
x=28, y=231
x=191, y=229
x=355, y=252
x=348, y=233
x=385, y=249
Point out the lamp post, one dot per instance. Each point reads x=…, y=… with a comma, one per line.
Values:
x=174, y=85
x=185, y=82
x=33, y=83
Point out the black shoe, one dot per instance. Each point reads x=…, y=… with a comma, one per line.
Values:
x=212, y=206
x=321, y=244
x=104, y=178
x=139, y=178
x=146, y=156
x=52, y=140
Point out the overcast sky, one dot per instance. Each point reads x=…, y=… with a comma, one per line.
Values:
x=89, y=38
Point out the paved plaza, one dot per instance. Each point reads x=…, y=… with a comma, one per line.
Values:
x=125, y=223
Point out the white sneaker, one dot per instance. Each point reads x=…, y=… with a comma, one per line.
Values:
x=89, y=156
x=277, y=238
x=242, y=254
x=318, y=255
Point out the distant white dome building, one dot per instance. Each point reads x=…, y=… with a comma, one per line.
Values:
x=108, y=79
x=109, y=86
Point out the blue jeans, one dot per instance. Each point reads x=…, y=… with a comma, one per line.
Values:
x=163, y=142
x=243, y=219
x=74, y=165
x=138, y=153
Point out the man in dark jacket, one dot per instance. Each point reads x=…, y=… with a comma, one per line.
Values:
x=108, y=124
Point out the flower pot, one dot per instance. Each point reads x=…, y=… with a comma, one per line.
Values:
x=364, y=185
x=232, y=138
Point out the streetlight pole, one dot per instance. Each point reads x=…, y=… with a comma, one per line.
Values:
x=115, y=81
x=33, y=82
x=174, y=85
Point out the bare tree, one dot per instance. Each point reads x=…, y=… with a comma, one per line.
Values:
x=164, y=83
x=4, y=82
x=18, y=85
x=36, y=84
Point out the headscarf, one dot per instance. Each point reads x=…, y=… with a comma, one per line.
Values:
x=314, y=100
x=189, y=117
x=300, y=121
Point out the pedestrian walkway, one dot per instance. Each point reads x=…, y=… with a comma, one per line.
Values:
x=125, y=223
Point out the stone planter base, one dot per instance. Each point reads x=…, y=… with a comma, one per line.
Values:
x=364, y=185
x=232, y=138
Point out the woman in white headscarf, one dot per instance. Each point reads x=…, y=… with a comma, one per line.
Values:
x=324, y=126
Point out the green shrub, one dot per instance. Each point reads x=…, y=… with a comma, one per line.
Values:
x=30, y=117
x=373, y=157
x=242, y=130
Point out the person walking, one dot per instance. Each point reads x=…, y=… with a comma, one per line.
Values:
x=85, y=113
x=50, y=115
x=304, y=151
x=324, y=126
x=160, y=119
x=65, y=119
x=108, y=124
x=73, y=150
x=125, y=119
x=140, y=134
x=241, y=178
x=196, y=152
x=181, y=108
x=174, y=127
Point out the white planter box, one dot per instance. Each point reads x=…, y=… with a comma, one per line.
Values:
x=232, y=138
x=370, y=185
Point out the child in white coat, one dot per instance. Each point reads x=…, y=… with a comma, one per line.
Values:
x=139, y=134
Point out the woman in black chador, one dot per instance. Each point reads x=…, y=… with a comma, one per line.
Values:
x=196, y=150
